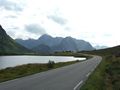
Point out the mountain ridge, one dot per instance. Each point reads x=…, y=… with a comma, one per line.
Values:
x=56, y=43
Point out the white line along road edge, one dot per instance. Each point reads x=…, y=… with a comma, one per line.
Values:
x=78, y=85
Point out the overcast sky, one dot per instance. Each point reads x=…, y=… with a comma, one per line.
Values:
x=96, y=21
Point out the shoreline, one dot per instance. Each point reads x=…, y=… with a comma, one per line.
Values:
x=11, y=73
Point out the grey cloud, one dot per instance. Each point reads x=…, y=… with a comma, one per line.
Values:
x=67, y=28
x=58, y=20
x=35, y=29
x=107, y=35
x=11, y=16
x=9, y=5
x=14, y=28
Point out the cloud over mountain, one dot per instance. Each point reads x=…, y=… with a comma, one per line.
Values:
x=35, y=29
x=81, y=19
x=58, y=19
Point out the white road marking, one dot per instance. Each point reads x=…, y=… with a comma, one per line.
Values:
x=92, y=70
x=78, y=85
x=88, y=74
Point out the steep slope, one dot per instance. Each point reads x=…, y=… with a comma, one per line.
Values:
x=8, y=45
x=67, y=44
x=83, y=45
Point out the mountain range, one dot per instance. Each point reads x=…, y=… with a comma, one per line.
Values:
x=44, y=44
x=8, y=45
x=47, y=43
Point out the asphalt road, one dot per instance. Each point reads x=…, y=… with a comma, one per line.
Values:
x=66, y=78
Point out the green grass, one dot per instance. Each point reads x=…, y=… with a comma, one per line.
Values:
x=96, y=79
x=25, y=70
x=107, y=74
x=112, y=79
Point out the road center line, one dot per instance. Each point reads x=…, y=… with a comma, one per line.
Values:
x=78, y=85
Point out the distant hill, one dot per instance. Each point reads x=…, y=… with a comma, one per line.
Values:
x=55, y=44
x=108, y=51
x=8, y=45
x=100, y=47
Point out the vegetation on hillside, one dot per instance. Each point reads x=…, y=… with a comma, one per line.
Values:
x=103, y=52
x=9, y=46
x=107, y=75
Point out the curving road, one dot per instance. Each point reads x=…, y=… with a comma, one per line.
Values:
x=66, y=78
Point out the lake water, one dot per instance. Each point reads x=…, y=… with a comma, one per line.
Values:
x=11, y=61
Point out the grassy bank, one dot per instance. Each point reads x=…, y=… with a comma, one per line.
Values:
x=24, y=70
x=106, y=76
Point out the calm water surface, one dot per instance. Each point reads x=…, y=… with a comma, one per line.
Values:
x=11, y=61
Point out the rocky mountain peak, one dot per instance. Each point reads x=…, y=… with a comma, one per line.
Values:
x=2, y=30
